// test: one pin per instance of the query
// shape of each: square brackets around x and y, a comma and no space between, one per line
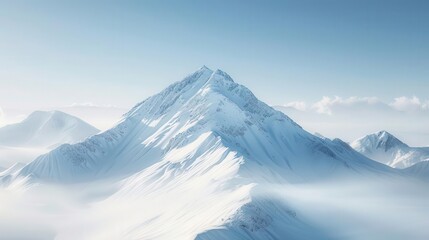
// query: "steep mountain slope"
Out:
[387,149]
[201,153]
[46,129]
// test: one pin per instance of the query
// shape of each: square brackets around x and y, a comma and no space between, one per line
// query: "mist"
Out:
[350,209]
[361,209]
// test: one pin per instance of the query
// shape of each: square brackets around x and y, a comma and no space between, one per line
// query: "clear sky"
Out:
[55,53]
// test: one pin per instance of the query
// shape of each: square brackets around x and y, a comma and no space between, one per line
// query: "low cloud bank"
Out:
[333,105]
[349,209]
[392,209]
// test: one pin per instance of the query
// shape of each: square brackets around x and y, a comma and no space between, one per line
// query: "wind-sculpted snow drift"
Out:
[195,159]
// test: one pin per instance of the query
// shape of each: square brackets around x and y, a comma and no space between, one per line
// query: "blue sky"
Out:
[55,53]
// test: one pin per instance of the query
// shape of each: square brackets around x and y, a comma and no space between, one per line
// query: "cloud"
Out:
[336,104]
[405,104]
[298,105]
[327,105]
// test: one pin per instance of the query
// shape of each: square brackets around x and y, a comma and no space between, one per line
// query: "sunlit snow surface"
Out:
[205,159]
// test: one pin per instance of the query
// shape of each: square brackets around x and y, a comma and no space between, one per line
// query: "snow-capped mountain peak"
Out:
[381,140]
[387,140]
[46,129]
[205,68]
[382,146]
[203,92]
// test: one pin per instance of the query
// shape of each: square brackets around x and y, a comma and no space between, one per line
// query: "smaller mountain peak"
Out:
[47,114]
[38,112]
[384,136]
[384,133]
[379,140]
[204,68]
[38,116]
[59,113]
[388,140]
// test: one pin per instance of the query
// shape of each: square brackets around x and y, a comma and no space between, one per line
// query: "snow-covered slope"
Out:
[387,149]
[202,151]
[46,129]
